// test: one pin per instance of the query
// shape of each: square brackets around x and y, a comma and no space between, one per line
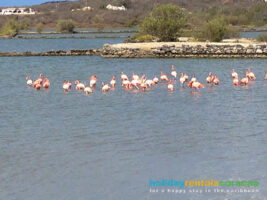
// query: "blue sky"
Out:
[5,3]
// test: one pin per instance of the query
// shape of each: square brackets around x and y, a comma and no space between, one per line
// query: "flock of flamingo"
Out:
[142,82]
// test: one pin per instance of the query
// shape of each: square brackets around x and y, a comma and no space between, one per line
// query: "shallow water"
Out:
[57,145]
[40,45]
[253,35]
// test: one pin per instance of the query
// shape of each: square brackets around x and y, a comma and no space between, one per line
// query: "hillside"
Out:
[239,12]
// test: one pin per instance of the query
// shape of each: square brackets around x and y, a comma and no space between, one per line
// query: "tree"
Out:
[262,37]
[39,28]
[12,27]
[165,22]
[65,26]
[217,29]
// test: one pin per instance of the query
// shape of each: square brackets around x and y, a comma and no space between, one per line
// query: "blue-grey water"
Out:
[65,146]
[253,35]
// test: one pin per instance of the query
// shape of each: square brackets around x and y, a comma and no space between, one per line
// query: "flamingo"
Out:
[244,81]
[143,85]
[163,77]
[66,86]
[79,86]
[234,74]
[170,86]
[135,83]
[93,80]
[265,77]
[28,81]
[123,76]
[37,82]
[182,79]
[216,80]
[235,81]
[46,83]
[195,84]
[40,78]
[194,79]
[185,77]
[38,86]
[87,90]
[173,72]
[251,76]
[210,78]
[135,76]
[156,80]
[113,82]
[105,87]
[149,82]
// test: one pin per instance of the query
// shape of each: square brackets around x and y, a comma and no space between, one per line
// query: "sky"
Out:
[5,3]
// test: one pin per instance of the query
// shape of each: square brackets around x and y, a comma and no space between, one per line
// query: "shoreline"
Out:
[161,50]
[185,50]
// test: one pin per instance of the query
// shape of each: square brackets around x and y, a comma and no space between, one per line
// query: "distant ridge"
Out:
[64,1]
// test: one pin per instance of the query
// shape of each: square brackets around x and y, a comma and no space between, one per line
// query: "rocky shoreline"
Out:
[162,50]
[89,52]
[185,50]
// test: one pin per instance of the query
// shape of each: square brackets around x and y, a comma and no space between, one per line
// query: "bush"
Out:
[12,28]
[142,38]
[262,37]
[217,29]
[165,22]
[65,26]
[39,28]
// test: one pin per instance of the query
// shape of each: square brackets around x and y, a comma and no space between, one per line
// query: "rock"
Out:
[259,51]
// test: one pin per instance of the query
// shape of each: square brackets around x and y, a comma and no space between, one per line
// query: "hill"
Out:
[238,12]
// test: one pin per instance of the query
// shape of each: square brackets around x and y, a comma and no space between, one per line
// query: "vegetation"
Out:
[39,28]
[165,22]
[262,37]
[240,13]
[65,26]
[11,28]
[168,22]
[217,29]
[143,38]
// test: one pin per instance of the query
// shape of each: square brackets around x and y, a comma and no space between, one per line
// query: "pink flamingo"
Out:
[173,72]
[163,77]
[123,76]
[235,81]
[66,86]
[28,81]
[251,75]
[105,87]
[156,80]
[210,78]
[170,86]
[234,74]
[93,80]
[113,82]
[195,84]
[182,79]
[216,80]
[46,83]
[88,90]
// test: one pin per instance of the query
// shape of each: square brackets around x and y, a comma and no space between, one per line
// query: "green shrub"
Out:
[217,29]
[142,38]
[39,28]
[11,28]
[65,26]
[262,37]
[165,22]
